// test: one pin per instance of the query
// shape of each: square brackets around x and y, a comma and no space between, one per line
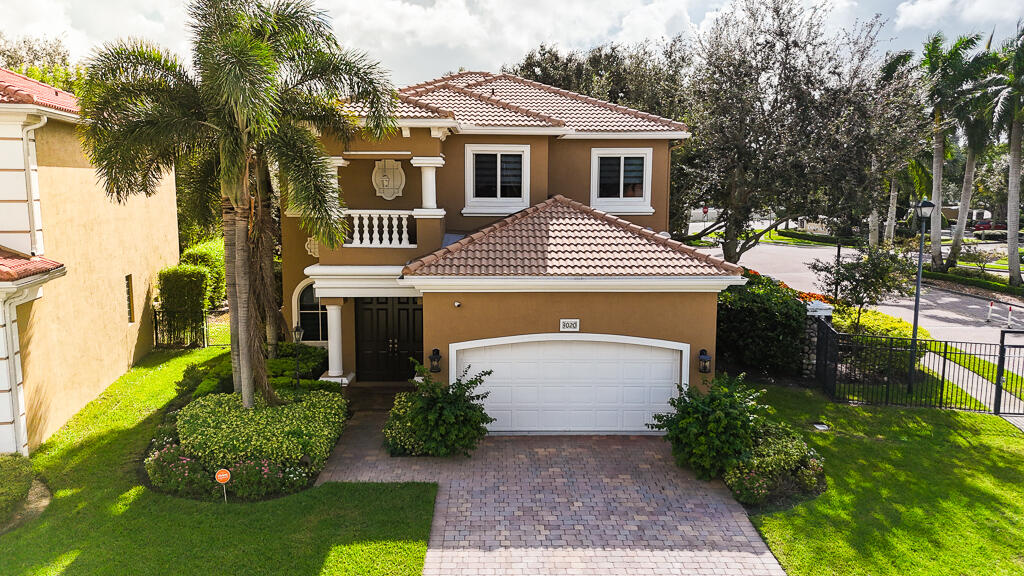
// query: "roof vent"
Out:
[492,92]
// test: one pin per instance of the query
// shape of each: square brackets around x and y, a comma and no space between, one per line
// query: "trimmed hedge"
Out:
[869,358]
[209,255]
[312,363]
[823,238]
[976,282]
[761,324]
[218,432]
[183,288]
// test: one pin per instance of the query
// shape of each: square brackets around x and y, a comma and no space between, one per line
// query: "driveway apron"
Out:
[567,505]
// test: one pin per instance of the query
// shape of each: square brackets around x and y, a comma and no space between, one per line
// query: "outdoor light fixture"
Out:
[703,361]
[923,210]
[435,360]
[297,334]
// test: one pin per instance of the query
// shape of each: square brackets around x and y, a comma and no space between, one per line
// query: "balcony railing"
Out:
[381,229]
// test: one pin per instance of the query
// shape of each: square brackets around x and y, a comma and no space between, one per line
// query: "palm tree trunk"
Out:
[228,229]
[965,205]
[242,287]
[890,217]
[266,254]
[938,156]
[873,228]
[1013,205]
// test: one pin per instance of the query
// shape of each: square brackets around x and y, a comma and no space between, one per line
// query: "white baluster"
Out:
[403,238]
[392,230]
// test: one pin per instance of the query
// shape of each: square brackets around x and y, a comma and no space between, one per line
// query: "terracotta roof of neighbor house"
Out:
[485,99]
[18,89]
[562,237]
[17,266]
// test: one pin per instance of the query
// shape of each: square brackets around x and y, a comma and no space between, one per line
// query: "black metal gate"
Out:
[977,376]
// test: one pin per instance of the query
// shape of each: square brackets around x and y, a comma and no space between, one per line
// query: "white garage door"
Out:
[574,386]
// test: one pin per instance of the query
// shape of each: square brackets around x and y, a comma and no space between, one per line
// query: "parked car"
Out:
[984,225]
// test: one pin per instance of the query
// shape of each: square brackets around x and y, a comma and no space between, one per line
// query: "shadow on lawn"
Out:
[103,521]
[910,491]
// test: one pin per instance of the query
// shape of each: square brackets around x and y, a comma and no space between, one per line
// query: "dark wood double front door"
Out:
[389,331]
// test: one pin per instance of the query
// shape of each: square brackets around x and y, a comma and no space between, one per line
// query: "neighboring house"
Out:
[515,227]
[77,270]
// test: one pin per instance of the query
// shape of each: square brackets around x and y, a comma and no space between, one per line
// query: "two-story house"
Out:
[77,271]
[514,227]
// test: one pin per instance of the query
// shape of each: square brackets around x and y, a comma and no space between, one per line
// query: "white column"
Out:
[334,368]
[427,166]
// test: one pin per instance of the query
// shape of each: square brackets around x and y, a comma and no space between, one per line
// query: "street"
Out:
[946,315]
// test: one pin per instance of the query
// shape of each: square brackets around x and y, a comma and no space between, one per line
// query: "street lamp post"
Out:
[923,211]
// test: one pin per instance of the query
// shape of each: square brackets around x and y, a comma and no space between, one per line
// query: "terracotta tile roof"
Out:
[18,89]
[404,108]
[458,96]
[17,266]
[478,109]
[579,112]
[562,237]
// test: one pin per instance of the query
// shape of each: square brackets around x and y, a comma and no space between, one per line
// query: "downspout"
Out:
[29,187]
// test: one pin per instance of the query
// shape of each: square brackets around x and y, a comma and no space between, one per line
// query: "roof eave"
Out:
[467,128]
[694,283]
[39,110]
[630,135]
[10,286]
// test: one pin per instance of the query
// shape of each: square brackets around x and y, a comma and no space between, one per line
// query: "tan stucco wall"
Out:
[680,317]
[570,174]
[76,339]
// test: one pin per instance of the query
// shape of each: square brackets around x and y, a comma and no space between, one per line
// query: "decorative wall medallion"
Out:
[388,179]
[312,247]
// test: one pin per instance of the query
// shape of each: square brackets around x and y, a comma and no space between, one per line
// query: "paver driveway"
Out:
[564,505]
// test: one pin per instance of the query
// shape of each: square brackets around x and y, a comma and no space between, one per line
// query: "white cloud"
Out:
[934,14]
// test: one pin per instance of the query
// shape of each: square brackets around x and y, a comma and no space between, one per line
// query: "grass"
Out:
[928,390]
[1012,382]
[15,480]
[773,237]
[911,492]
[102,520]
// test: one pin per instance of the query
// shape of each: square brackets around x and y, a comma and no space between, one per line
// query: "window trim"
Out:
[296,310]
[633,206]
[495,206]
[130,297]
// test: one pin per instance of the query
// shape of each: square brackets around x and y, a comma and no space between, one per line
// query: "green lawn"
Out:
[15,480]
[104,521]
[911,492]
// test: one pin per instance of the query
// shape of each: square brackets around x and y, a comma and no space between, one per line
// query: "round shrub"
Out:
[171,469]
[183,288]
[779,466]
[219,432]
[711,432]
[209,255]
[437,419]
[761,324]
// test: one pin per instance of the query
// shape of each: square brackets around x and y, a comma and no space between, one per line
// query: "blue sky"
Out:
[421,39]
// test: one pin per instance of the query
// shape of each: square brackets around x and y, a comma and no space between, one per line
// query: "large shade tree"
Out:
[265,78]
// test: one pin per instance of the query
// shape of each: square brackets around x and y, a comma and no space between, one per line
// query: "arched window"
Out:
[312,316]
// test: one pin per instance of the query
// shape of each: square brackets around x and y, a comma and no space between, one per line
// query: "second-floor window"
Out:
[620,180]
[497,179]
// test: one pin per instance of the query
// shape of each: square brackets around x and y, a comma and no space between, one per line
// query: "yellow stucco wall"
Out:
[76,339]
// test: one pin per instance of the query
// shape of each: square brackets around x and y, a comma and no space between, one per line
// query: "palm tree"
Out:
[1006,87]
[265,76]
[950,73]
[975,120]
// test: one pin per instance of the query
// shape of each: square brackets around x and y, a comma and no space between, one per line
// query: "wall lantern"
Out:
[703,361]
[435,360]
[297,333]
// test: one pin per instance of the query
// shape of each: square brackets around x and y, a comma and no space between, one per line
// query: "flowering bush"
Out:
[172,469]
[813,297]
[748,486]
[253,479]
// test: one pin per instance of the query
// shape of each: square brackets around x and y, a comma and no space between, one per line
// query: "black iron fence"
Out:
[974,376]
[175,329]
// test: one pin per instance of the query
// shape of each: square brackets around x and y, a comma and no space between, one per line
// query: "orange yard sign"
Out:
[223,475]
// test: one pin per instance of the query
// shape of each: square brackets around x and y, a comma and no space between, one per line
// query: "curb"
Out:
[967,294]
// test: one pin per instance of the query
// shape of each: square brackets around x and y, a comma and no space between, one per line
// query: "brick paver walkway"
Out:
[566,505]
